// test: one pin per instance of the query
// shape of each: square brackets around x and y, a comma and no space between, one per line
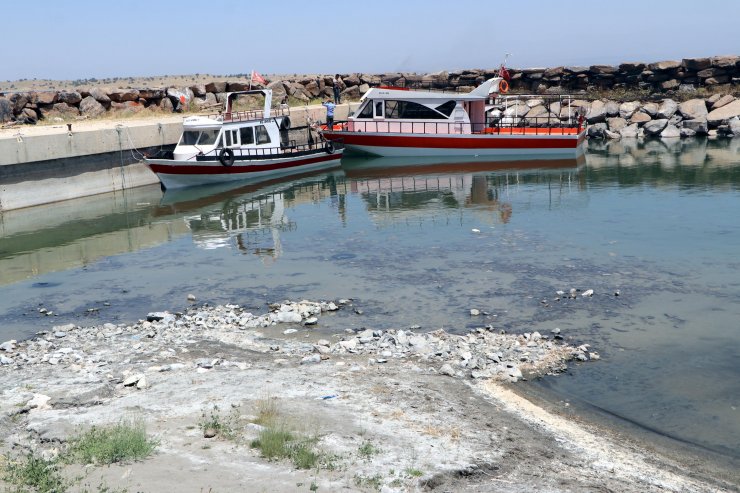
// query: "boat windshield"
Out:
[199,137]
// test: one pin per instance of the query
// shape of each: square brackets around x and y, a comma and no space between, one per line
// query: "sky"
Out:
[80,39]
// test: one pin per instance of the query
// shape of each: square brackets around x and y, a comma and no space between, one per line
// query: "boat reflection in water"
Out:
[421,184]
[251,218]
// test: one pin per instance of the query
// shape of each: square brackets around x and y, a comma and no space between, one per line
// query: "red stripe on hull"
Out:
[239,169]
[484,142]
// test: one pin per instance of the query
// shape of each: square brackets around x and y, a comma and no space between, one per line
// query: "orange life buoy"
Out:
[503,86]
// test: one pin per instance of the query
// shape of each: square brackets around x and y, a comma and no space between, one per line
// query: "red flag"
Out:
[258,78]
[504,73]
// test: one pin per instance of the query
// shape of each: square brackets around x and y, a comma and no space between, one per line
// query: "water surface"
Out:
[421,243]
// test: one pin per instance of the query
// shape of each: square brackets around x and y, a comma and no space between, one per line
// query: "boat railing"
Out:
[512,125]
[292,149]
[248,115]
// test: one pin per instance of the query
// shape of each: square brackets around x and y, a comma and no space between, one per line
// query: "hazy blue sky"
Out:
[78,39]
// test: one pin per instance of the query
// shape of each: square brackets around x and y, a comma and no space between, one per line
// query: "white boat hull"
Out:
[178,174]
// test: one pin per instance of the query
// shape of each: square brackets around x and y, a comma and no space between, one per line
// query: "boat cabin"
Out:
[396,109]
[249,132]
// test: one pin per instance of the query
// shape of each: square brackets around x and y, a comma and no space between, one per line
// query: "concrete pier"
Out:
[49,163]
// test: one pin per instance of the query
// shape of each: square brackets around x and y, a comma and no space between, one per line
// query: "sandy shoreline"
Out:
[406,396]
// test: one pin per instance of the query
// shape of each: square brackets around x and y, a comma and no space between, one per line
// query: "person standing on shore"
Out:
[329,113]
[337,89]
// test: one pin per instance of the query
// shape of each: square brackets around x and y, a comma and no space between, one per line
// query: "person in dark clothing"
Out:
[337,89]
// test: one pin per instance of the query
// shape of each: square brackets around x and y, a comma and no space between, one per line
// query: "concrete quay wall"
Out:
[46,164]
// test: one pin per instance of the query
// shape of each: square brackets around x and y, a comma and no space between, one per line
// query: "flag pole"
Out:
[250,80]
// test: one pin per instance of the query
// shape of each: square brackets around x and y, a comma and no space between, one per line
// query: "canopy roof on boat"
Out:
[400,94]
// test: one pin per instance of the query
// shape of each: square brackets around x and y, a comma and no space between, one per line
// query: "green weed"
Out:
[36,473]
[106,445]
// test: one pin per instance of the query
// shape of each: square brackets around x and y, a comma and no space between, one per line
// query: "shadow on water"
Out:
[423,241]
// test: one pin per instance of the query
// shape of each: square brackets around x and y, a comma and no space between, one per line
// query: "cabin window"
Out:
[367,111]
[189,138]
[446,108]
[379,109]
[228,138]
[391,109]
[208,137]
[262,136]
[410,110]
[247,135]
[199,137]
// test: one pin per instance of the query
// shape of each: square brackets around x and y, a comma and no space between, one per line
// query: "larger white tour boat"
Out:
[242,145]
[395,121]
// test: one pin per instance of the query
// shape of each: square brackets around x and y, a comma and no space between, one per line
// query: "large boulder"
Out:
[299,92]
[29,116]
[663,66]
[518,109]
[603,69]
[697,63]
[539,115]
[670,132]
[597,131]
[640,117]
[597,112]
[734,125]
[611,108]
[616,124]
[71,97]
[279,90]
[655,127]
[237,86]
[697,126]
[630,131]
[19,100]
[628,108]
[6,110]
[370,79]
[722,101]
[354,79]
[670,85]
[61,110]
[100,96]
[693,108]
[199,90]
[151,94]
[127,107]
[651,109]
[631,67]
[47,97]
[667,108]
[724,113]
[123,95]
[351,93]
[216,86]
[725,62]
[91,108]
[313,88]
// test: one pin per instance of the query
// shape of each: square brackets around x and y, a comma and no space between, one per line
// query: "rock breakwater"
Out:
[665,79]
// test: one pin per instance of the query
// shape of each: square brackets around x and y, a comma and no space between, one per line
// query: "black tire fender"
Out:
[329,147]
[226,156]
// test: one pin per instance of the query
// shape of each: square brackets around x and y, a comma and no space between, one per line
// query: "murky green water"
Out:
[423,243]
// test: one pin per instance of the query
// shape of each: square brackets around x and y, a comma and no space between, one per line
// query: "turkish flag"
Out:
[258,78]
